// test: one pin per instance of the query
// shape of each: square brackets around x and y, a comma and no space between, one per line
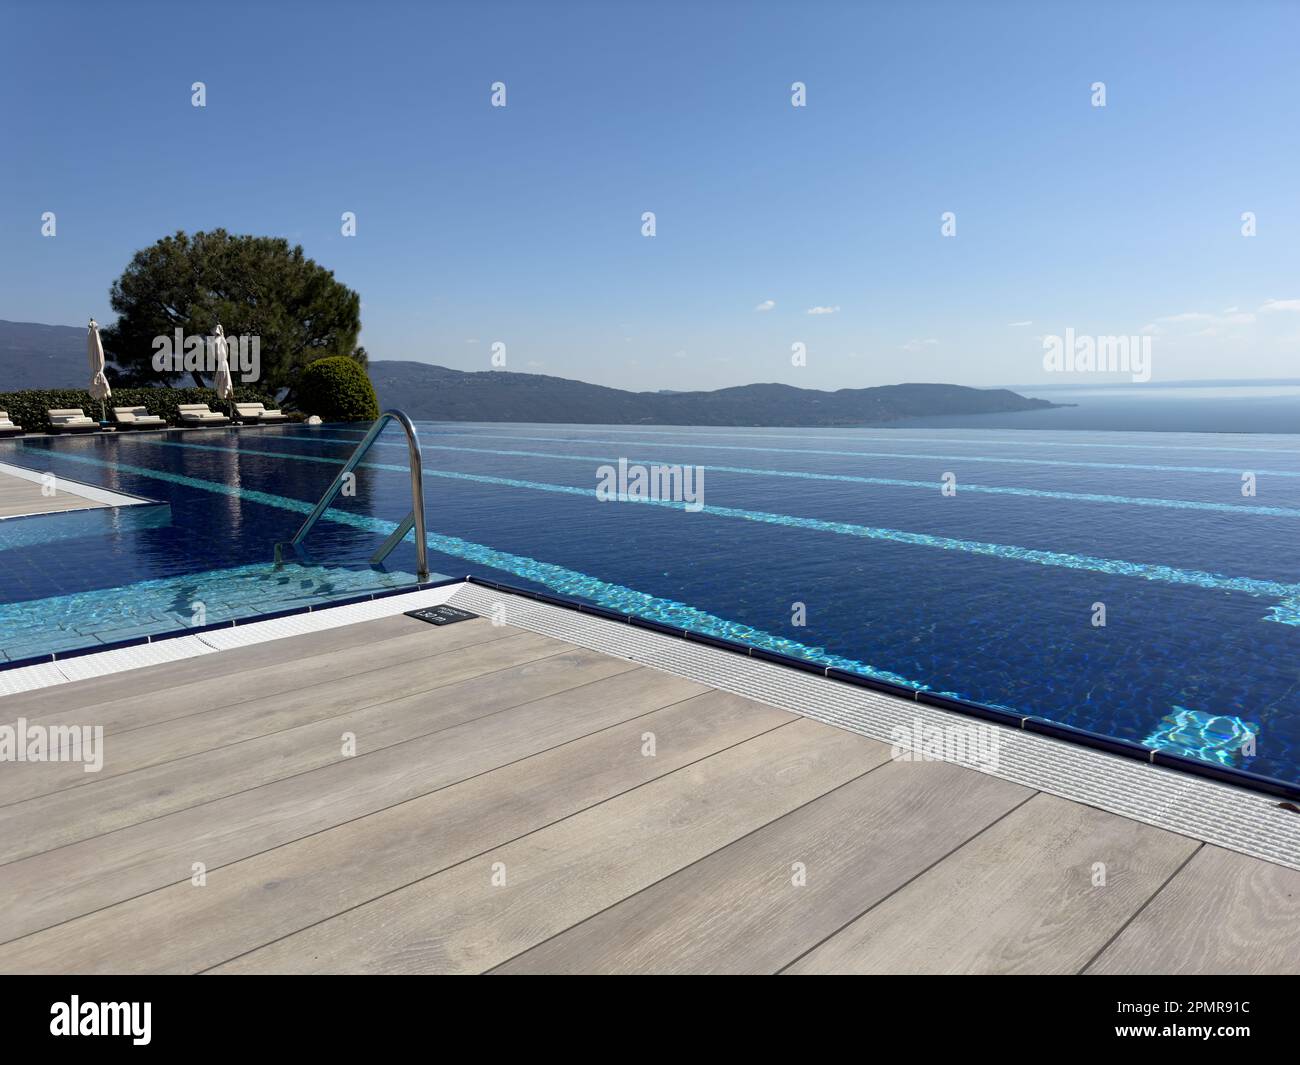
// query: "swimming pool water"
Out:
[833,545]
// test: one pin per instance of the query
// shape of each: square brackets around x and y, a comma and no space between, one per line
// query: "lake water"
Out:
[1227,408]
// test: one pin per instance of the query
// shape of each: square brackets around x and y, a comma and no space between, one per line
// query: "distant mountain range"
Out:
[436,393]
[54,356]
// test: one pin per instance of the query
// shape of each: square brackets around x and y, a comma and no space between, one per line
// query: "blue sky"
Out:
[523,224]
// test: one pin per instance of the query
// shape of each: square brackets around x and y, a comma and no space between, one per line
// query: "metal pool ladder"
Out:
[415,518]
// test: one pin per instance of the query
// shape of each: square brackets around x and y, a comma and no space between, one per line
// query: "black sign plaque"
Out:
[441,615]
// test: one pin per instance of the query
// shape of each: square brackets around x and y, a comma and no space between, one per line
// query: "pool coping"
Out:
[994,715]
[66,667]
[1165,793]
[169,635]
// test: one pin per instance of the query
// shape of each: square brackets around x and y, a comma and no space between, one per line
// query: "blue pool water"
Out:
[989,594]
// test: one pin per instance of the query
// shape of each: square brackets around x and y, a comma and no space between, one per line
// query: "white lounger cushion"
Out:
[69,417]
[259,411]
[137,415]
[199,412]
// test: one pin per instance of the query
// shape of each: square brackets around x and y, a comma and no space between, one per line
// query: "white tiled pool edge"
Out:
[171,649]
[79,488]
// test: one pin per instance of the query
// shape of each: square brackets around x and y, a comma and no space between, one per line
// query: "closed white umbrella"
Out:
[98,382]
[223,382]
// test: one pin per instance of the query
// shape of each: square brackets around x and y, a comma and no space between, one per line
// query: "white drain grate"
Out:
[1216,813]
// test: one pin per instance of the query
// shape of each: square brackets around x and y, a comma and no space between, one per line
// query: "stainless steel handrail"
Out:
[414,518]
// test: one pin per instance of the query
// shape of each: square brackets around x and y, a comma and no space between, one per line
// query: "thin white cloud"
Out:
[1281,305]
[1017,325]
[1201,318]
[766,305]
[824,310]
[919,345]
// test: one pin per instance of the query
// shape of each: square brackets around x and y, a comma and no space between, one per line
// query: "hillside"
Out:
[436,393]
[54,356]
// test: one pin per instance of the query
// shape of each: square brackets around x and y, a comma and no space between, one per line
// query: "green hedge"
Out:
[338,389]
[28,408]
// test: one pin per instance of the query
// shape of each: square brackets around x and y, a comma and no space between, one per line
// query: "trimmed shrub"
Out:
[28,408]
[337,389]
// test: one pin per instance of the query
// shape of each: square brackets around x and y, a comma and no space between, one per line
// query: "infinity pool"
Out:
[839,546]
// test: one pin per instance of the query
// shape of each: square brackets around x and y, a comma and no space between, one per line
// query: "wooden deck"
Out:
[19,497]
[517,804]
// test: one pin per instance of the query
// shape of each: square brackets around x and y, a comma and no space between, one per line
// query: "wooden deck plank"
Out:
[1224,913]
[458,921]
[58,885]
[284,890]
[266,667]
[740,909]
[357,687]
[481,686]
[1018,898]
[20,496]
[20,508]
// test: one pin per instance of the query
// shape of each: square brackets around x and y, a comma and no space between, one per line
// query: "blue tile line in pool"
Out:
[1286,611]
[1156,468]
[566,581]
[1248,510]
[439,429]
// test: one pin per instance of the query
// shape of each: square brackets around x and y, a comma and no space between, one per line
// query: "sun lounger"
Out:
[138,418]
[200,414]
[257,412]
[7,428]
[71,420]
